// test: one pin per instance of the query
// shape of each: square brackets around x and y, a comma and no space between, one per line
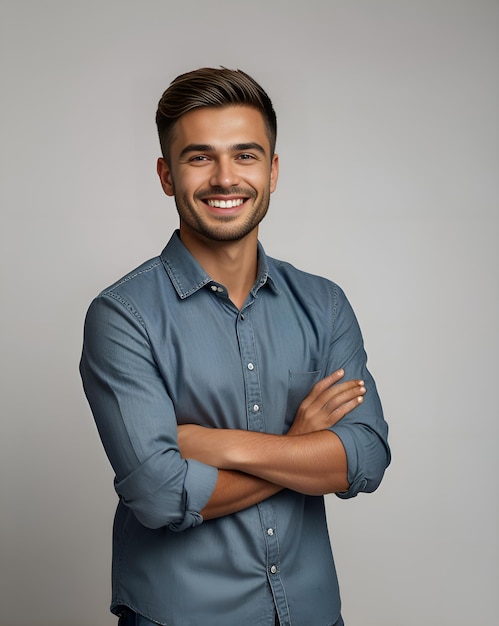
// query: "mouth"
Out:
[225,204]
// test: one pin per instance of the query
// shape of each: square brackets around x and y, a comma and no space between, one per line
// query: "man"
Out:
[230,390]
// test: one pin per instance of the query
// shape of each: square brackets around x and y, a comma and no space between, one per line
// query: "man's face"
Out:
[221,172]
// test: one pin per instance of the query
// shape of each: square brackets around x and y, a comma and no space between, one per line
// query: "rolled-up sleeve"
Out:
[363,432]
[136,420]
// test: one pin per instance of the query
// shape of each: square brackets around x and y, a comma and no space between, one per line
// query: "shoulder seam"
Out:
[130,308]
[128,277]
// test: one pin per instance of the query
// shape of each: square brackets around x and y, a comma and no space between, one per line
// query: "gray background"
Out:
[388,140]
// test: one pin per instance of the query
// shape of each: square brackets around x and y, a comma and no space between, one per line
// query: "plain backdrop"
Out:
[389,148]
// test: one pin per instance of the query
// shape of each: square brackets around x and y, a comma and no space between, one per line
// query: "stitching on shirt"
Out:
[175,277]
[271,278]
[130,276]
[129,307]
[279,560]
[334,312]
[112,294]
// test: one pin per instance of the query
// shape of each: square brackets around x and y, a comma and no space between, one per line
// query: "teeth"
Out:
[225,204]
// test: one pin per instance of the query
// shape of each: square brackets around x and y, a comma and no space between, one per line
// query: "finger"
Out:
[326,383]
[336,415]
[348,393]
[337,391]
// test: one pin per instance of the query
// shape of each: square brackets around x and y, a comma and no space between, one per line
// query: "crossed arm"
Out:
[254,466]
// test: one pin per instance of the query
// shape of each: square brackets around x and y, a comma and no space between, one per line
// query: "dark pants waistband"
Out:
[129,618]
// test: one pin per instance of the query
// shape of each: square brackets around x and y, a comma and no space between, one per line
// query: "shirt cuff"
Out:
[200,481]
[356,479]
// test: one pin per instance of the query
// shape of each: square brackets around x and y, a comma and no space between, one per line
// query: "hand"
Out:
[327,403]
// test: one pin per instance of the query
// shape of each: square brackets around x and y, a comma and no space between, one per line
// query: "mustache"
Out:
[223,191]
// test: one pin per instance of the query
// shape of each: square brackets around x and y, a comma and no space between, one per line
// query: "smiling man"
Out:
[230,390]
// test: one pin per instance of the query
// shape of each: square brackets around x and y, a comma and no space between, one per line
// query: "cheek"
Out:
[191,182]
[259,180]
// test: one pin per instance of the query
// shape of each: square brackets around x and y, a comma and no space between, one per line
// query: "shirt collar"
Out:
[188,276]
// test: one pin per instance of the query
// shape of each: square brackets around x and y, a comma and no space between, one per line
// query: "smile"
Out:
[225,204]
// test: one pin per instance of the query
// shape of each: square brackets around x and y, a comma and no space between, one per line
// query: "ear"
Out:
[274,172]
[165,176]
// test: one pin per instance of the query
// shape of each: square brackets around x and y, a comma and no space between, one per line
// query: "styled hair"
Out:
[211,87]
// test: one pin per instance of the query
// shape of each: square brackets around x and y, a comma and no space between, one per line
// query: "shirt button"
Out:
[256,408]
[273,569]
[220,289]
[251,367]
[270,532]
[214,287]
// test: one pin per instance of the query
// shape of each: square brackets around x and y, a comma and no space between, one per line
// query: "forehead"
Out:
[220,127]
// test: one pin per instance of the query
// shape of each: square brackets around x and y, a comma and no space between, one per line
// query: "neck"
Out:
[233,264]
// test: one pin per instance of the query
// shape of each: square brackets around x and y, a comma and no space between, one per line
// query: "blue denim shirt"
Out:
[165,346]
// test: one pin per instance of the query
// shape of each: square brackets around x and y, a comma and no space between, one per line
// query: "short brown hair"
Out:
[211,87]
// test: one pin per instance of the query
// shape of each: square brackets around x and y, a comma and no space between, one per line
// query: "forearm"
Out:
[313,463]
[235,491]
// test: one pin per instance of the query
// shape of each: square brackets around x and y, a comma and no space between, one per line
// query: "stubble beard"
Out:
[223,227]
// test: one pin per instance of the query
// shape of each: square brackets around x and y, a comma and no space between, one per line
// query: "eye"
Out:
[245,156]
[198,159]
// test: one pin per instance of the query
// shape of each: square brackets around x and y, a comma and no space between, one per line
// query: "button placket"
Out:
[273,558]
[254,412]
[249,361]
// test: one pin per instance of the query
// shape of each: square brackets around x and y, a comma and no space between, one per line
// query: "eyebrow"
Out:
[237,147]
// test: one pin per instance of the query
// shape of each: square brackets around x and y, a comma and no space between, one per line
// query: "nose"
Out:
[224,173]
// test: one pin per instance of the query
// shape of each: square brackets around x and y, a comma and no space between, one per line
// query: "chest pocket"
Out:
[299,386]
